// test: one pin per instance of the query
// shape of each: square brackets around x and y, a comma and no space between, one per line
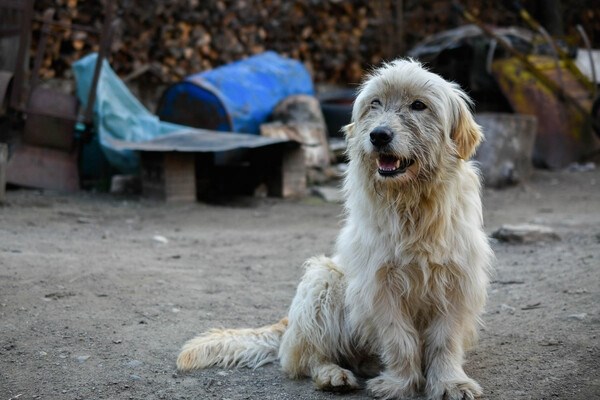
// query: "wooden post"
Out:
[289,180]
[169,176]
[3,163]
[293,173]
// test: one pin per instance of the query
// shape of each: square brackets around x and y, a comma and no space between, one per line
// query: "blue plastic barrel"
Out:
[236,97]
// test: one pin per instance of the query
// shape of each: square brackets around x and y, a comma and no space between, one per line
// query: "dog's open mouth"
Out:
[389,165]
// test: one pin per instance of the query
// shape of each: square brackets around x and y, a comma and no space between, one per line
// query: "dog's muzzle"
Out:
[387,163]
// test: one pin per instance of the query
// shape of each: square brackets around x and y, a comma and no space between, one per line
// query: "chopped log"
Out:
[300,109]
[300,118]
[336,40]
[309,135]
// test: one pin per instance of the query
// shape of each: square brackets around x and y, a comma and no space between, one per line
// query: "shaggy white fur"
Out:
[401,298]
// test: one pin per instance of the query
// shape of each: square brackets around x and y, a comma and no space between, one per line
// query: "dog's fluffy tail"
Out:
[232,347]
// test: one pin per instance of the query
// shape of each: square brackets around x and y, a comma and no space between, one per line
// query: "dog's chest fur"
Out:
[410,261]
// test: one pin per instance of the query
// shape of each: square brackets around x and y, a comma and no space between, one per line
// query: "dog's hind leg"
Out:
[316,337]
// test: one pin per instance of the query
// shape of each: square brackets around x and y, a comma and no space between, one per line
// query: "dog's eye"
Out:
[418,105]
[375,103]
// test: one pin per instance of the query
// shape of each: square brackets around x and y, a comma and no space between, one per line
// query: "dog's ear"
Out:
[466,133]
[348,130]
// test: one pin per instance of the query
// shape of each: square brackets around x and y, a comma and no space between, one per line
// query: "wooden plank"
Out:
[3,163]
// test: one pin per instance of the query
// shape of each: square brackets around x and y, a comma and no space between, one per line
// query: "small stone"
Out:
[577,167]
[507,308]
[576,291]
[578,317]
[134,377]
[222,373]
[525,233]
[551,342]
[160,239]
[134,363]
[329,194]
[82,359]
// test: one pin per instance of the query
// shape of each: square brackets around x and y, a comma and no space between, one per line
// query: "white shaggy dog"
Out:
[401,298]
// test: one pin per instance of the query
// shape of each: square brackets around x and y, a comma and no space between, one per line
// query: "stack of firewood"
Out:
[337,40]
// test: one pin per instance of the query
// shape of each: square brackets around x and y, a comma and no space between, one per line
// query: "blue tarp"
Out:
[236,97]
[117,114]
[246,91]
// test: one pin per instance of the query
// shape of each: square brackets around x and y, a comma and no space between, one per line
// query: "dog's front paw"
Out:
[455,390]
[335,379]
[387,386]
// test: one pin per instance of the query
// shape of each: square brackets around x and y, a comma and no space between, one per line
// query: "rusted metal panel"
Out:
[51,119]
[43,168]
[564,133]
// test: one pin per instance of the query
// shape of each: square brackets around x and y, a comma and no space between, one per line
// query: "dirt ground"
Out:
[98,293]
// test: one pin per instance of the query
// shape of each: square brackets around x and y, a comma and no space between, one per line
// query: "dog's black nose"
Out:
[381,136]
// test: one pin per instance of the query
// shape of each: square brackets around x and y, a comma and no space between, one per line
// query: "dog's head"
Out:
[408,124]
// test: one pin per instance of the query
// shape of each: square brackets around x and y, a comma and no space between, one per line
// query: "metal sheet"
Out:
[43,168]
[201,141]
[563,135]
[51,117]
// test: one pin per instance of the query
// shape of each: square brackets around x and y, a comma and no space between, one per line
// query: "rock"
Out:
[578,317]
[505,157]
[329,194]
[160,239]
[82,359]
[134,363]
[125,184]
[551,342]
[507,308]
[525,233]
[577,167]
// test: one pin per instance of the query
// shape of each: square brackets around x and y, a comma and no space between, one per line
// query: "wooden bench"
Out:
[176,167]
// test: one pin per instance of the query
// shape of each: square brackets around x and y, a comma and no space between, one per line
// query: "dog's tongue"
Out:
[388,163]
